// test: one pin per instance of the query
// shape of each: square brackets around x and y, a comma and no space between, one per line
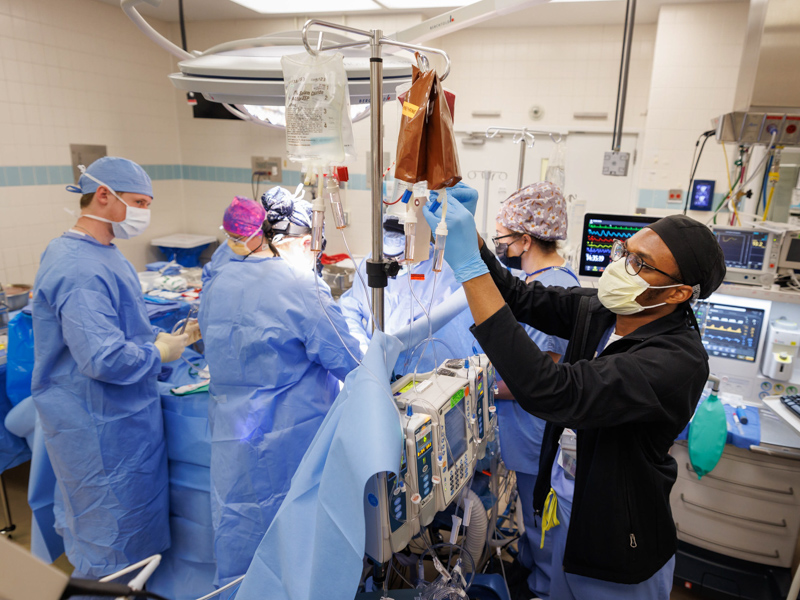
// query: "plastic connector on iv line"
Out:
[334,197]
[410,230]
[438,247]
[441,236]
[317,222]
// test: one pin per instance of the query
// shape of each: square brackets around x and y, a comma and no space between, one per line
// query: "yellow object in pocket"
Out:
[549,514]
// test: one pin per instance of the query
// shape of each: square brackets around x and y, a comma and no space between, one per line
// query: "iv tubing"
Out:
[430,332]
[360,364]
[769,203]
[223,588]
[360,278]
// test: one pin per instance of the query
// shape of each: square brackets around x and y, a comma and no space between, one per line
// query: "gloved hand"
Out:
[466,195]
[461,246]
[193,331]
[171,345]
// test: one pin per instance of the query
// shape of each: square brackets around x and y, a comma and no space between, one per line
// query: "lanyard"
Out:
[564,269]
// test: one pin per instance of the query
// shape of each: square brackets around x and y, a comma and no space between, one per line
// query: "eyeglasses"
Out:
[241,240]
[633,263]
[496,239]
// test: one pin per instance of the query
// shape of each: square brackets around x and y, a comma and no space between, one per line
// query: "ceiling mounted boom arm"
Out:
[129,8]
[461,18]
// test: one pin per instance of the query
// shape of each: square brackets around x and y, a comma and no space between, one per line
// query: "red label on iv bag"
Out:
[417,276]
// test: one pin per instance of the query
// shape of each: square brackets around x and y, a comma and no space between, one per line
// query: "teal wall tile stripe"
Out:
[62,175]
[659,199]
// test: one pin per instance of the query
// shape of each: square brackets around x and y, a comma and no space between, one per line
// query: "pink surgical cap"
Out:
[243,217]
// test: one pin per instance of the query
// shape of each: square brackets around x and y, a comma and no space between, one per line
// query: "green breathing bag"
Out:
[707,435]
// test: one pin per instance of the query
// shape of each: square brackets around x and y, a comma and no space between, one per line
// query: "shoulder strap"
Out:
[580,332]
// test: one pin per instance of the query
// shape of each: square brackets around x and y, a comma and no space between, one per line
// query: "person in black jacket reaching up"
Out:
[637,368]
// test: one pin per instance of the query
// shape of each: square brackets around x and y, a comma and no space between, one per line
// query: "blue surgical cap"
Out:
[283,208]
[120,174]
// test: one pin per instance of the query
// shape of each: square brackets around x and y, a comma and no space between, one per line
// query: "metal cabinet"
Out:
[748,507]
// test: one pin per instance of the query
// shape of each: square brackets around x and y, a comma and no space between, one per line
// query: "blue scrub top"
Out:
[400,309]
[521,432]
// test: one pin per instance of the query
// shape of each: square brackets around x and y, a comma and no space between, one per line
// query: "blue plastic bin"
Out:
[185,248]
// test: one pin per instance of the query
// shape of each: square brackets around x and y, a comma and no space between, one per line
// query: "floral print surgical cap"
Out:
[538,209]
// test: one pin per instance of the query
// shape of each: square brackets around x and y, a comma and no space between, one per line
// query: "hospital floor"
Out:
[17,489]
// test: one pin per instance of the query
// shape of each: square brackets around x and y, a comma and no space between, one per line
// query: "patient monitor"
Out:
[448,418]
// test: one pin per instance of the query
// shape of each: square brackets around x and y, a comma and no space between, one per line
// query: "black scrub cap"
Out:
[392,223]
[696,251]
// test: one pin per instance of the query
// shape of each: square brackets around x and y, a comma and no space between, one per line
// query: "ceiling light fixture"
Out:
[307,7]
[423,4]
[275,116]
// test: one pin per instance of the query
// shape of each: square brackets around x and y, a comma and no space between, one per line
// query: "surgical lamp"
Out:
[246,76]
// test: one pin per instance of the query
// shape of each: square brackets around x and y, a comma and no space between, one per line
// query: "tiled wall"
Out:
[76,71]
[695,69]
[563,70]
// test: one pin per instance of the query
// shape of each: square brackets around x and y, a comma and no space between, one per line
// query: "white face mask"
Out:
[136,219]
[294,251]
[618,289]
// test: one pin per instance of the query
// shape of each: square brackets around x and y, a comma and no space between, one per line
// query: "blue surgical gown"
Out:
[400,308]
[94,386]
[222,256]
[275,362]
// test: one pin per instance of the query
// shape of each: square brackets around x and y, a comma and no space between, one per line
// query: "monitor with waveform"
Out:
[730,331]
[599,233]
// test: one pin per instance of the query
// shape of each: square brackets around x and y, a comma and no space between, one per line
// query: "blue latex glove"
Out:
[466,195]
[461,248]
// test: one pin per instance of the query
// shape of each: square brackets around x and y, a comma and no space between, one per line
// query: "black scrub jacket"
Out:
[627,405]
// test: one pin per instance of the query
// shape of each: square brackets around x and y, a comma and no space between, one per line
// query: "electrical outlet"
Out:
[675,197]
[269,169]
[616,163]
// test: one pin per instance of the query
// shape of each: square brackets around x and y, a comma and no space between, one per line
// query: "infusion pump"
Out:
[448,418]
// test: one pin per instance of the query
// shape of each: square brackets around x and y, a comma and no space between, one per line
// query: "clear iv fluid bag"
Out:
[316,92]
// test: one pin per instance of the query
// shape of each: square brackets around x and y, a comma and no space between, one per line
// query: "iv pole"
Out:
[377,267]
[377,277]
[525,138]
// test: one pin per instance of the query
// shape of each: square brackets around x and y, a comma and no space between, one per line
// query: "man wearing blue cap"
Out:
[94,379]
[404,304]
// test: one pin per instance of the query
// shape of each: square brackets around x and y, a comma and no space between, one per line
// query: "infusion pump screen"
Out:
[743,249]
[455,425]
[729,331]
